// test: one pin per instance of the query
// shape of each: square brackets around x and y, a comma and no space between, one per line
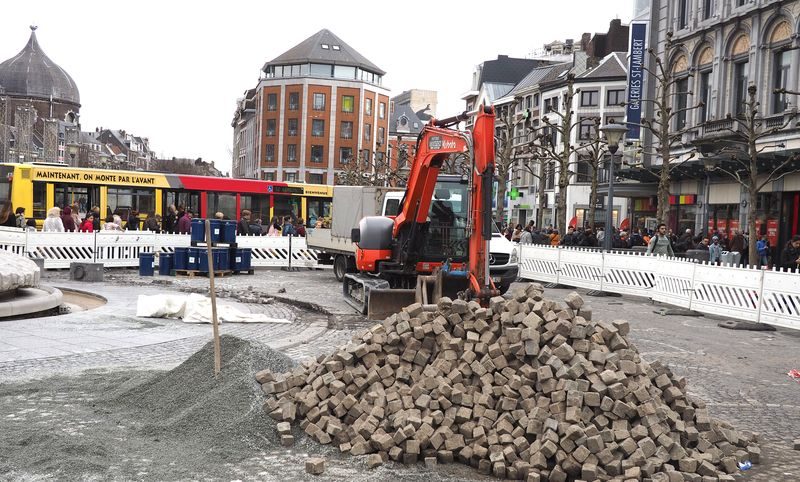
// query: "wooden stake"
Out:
[214,321]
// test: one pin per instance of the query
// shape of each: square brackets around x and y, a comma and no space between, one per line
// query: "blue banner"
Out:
[636,52]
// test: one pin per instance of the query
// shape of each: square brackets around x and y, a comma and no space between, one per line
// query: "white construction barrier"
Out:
[749,294]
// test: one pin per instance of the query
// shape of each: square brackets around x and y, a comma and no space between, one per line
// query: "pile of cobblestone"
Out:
[526,388]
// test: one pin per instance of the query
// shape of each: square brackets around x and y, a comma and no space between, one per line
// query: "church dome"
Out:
[31,73]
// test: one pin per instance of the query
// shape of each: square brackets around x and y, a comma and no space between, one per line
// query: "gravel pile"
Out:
[526,389]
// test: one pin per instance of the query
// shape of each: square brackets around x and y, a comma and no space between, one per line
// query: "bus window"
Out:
[121,200]
[257,205]
[317,207]
[84,196]
[287,206]
[185,199]
[224,203]
[39,200]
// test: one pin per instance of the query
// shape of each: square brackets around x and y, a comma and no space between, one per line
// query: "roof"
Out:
[31,73]
[310,50]
[405,110]
[535,76]
[507,70]
[612,65]
[495,91]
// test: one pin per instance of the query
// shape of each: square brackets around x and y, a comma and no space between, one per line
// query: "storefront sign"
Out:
[637,51]
[98,177]
[685,199]
[772,232]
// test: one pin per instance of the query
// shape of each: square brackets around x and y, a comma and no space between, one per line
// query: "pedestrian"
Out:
[133,221]
[601,236]
[714,251]
[790,258]
[68,220]
[87,226]
[76,216]
[588,239]
[7,217]
[275,228]
[555,238]
[527,235]
[219,215]
[702,245]
[181,211]
[53,222]
[660,244]
[300,228]
[517,234]
[96,213]
[288,227]
[762,250]
[30,225]
[569,238]
[256,229]
[152,223]
[20,218]
[243,226]
[737,246]
[185,222]
[170,218]
[684,242]
[112,223]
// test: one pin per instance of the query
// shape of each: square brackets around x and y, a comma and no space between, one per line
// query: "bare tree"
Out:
[591,152]
[744,164]
[505,156]
[663,125]
[369,170]
[534,161]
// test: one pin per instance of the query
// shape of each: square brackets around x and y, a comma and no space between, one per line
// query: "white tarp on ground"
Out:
[194,308]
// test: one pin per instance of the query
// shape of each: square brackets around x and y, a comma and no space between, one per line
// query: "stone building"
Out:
[39,107]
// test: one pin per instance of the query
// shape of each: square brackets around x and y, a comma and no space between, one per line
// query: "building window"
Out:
[272,101]
[316,154]
[681,101]
[271,127]
[291,177]
[367,132]
[269,152]
[739,87]
[586,128]
[291,152]
[318,128]
[381,133]
[368,106]
[582,173]
[705,94]
[707,9]
[348,102]
[347,130]
[269,176]
[292,127]
[780,79]
[319,101]
[615,97]
[345,154]
[528,101]
[683,14]
[550,176]
[294,100]
[314,178]
[589,98]
[381,110]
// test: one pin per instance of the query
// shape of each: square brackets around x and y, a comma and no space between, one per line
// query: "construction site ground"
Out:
[106,395]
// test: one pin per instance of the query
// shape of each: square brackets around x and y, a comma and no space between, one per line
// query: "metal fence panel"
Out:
[13,240]
[628,273]
[122,248]
[539,263]
[60,249]
[166,243]
[781,299]
[673,280]
[727,291]
[266,250]
[582,268]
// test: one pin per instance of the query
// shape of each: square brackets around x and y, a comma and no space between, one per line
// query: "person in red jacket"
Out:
[87,226]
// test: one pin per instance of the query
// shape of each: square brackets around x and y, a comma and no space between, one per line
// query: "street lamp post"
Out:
[613,134]
[73,151]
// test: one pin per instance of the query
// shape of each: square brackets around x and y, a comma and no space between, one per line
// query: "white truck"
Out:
[352,203]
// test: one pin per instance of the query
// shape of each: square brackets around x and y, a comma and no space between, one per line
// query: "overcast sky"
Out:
[172,71]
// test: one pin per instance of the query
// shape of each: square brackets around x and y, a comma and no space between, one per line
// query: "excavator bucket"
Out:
[374,297]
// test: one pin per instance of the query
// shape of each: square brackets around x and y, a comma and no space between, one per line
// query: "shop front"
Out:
[683,211]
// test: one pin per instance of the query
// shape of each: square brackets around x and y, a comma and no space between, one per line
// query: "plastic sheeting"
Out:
[194,308]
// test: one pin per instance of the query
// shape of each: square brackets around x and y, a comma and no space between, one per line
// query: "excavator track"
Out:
[374,297]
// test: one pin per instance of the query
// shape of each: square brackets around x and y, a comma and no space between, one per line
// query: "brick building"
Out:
[318,106]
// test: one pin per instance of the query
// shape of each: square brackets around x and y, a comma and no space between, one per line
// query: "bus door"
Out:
[287,205]
[258,205]
[84,196]
[181,198]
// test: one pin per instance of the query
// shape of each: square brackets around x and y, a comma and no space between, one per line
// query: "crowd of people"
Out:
[663,241]
[176,220]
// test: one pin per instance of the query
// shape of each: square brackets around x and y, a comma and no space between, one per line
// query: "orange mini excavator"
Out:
[438,243]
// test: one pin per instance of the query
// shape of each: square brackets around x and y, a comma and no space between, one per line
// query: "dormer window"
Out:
[325,46]
[335,47]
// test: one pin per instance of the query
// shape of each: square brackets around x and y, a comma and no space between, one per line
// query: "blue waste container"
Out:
[198,230]
[241,259]
[181,258]
[147,262]
[221,259]
[193,258]
[228,232]
[217,228]
[165,264]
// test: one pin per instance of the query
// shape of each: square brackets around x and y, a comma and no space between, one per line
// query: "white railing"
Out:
[749,294]
[122,248]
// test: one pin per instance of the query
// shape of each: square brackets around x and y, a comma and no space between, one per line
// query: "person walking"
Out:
[300,228]
[87,226]
[7,217]
[152,223]
[275,227]
[170,218]
[660,244]
[288,227]
[243,226]
[737,246]
[53,222]
[790,258]
[30,225]
[762,250]
[256,229]
[714,251]
[133,221]
[20,218]
[68,220]
[113,223]
[527,236]
[185,222]
[96,213]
